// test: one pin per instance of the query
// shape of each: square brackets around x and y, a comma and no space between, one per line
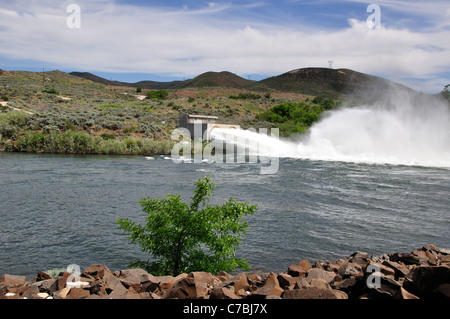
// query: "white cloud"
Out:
[122,38]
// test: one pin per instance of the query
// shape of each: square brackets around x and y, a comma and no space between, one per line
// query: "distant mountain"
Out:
[217,79]
[329,82]
[208,79]
[92,77]
[334,83]
[154,85]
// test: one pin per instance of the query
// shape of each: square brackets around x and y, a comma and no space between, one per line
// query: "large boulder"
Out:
[223,293]
[300,269]
[360,258]
[138,279]
[316,273]
[11,281]
[405,258]
[427,281]
[96,272]
[240,284]
[271,287]
[197,285]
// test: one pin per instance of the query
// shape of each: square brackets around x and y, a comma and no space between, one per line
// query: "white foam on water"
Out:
[403,131]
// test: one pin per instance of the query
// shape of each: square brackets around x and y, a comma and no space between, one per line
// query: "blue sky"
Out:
[175,40]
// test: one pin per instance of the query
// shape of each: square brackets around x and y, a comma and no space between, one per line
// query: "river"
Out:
[58,210]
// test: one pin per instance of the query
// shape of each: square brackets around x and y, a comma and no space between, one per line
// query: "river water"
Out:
[58,210]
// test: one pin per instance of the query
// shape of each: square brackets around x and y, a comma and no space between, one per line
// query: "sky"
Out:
[403,41]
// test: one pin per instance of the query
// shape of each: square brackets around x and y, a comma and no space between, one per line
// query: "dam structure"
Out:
[205,123]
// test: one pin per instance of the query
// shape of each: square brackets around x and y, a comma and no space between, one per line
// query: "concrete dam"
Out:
[203,124]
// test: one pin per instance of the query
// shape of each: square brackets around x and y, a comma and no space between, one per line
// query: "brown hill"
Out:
[334,83]
[217,79]
[329,82]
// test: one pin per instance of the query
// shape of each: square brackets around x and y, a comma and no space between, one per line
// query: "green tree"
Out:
[185,237]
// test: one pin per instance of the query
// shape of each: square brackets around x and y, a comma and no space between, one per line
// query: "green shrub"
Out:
[297,117]
[158,95]
[50,91]
[185,237]
[108,136]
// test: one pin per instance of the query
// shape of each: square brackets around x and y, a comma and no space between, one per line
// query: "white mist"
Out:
[404,129]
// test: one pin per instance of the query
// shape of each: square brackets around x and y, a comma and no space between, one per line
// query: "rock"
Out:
[343,279]
[287,282]
[350,269]
[305,264]
[254,281]
[43,295]
[436,249]
[196,285]
[349,285]
[113,287]
[301,283]
[265,291]
[42,276]
[12,281]
[223,293]
[315,273]
[313,293]
[317,264]
[96,272]
[399,269]
[331,266]
[271,288]
[138,279]
[63,293]
[77,293]
[300,269]
[319,283]
[182,289]
[203,283]
[406,258]
[62,280]
[423,281]
[385,270]
[389,288]
[240,284]
[405,295]
[444,259]
[48,286]
[162,282]
[360,258]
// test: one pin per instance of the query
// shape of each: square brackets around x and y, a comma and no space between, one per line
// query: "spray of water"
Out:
[402,129]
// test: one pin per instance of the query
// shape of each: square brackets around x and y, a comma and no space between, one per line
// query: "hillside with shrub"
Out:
[56,112]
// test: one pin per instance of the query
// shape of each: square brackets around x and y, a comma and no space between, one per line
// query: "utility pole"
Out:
[330,64]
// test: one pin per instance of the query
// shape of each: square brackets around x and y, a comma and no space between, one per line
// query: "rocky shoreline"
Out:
[421,274]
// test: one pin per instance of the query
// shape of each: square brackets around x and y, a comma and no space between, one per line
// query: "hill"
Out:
[208,79]
[333,83]
[217,79]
